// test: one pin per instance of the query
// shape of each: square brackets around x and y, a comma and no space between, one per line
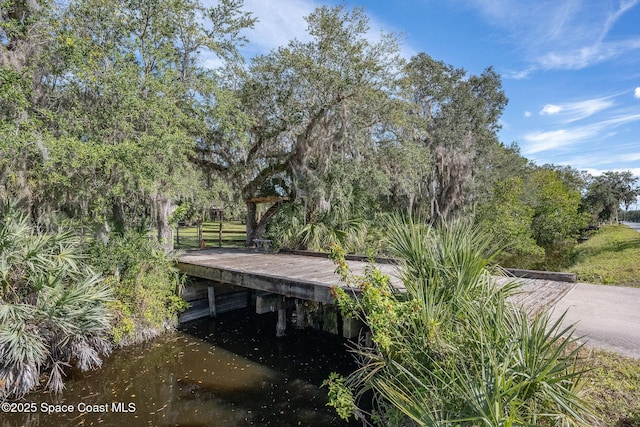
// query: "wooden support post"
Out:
[177,234]
[212,301]
[200,240]
[368,339]
[299,314]
[281,326]
[220,235]
[351,327]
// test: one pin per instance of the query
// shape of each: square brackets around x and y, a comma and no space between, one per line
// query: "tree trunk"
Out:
[164,208]
[117,215]
[252,222]
[410,204]
[255,228]
[102,232]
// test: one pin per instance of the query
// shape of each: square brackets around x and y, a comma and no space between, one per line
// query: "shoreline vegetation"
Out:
[608,383]
[67,300]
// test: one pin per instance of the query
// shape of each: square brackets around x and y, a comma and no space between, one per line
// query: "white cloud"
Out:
[619,120]
[571,34]
[602,156]
[573,111]
[550,109]
[518,75]
[579,57]
[598,172]
[583,109]
[527,113]
[636,93]
[278,23]
[211,60]
[536,142]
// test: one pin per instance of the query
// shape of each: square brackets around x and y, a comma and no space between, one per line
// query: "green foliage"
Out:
[452,350]
[102,105]
[144,282]
[315,106]
[508,220]
[108,117]
[14,92]
[556,207]
[608,191]
[534,213]
[611,256]
[632,216]
[181,213]
[54,308]
[340,396]
[456,118]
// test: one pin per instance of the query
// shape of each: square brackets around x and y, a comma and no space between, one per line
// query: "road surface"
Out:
[608,317]
[634,225]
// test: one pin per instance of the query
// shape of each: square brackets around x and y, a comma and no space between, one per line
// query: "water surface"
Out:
[228,371]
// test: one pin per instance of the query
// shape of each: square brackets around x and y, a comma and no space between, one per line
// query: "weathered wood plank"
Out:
[194,314]
[223,303]
[266,303]
[194,291]
[282,318]
[310,278]
[305,289]
[233,301]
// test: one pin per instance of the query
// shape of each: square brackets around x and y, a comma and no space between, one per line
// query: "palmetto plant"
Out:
[452,350]
[338,225]
[52,311]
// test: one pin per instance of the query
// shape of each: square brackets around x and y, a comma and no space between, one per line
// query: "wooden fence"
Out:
[216,235]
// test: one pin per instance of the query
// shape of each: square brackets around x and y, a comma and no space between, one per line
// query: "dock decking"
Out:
[310,278]
[296,276]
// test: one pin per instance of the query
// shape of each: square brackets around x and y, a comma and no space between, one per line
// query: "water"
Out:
[230,371]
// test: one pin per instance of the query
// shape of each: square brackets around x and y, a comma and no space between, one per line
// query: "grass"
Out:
[233,235]
[612,387]
[611,257]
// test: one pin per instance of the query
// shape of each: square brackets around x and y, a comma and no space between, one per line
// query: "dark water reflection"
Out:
[230,371]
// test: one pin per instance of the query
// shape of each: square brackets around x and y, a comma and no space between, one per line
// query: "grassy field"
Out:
[233,235]
[612,388]
[611,257]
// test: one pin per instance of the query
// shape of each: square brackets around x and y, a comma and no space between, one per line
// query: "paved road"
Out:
[634,225]
[607,316]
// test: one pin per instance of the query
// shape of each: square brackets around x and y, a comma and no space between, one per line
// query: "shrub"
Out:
[53,311]
[452,350]
[145,283]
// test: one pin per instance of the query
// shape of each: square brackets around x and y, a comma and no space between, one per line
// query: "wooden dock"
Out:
[309,278]
[294,276]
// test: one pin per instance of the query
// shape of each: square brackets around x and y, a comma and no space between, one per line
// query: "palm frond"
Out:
[463,355]
[51,302]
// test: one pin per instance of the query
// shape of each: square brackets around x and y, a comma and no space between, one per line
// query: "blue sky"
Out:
[570,68]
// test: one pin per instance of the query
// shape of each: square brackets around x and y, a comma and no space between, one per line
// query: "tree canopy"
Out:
[111,116]
[605,194]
